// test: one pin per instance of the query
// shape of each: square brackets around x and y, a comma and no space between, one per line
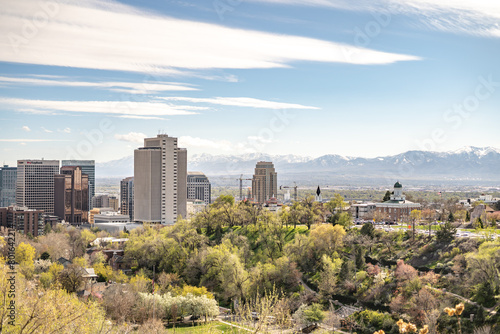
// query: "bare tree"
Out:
[266,312]
[332,319]
[119,301]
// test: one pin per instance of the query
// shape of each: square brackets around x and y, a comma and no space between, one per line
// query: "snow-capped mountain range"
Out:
[468,163]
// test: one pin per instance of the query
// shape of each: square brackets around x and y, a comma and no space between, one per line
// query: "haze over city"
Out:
[308,78]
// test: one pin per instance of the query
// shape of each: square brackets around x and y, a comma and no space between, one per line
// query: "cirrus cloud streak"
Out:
[472,17]
[145,87]
[240,102]
[101,107]
[112,36]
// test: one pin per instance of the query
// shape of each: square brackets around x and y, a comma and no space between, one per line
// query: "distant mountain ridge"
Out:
[468,163]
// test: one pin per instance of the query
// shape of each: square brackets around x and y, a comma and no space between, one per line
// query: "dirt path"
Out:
[491,310]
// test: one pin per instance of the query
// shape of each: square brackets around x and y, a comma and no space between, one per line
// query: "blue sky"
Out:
[89,79]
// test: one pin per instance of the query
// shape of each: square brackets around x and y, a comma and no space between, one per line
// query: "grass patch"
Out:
[290,235]
[210,328]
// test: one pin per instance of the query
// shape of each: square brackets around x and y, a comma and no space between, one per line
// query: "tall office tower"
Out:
[264,182]
[8,179]
[198,187]
[88,167]
[127,197]
[71,195]
[35,184]
[160,187]
[182,182]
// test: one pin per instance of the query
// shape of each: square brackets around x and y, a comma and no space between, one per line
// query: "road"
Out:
[461,232]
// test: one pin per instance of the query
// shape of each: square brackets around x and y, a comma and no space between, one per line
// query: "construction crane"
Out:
[294,189]
[241,185]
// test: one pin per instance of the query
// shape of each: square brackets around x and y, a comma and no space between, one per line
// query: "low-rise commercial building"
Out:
[363,210]
[23,220]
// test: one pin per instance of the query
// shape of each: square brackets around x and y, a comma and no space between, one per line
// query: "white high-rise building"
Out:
[160,185]
[35,184]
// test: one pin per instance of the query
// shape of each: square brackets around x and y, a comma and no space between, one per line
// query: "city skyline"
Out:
[279,77]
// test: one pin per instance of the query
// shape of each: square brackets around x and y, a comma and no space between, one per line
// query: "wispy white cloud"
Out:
[46,130]
[112,36]
[117,86]
[29,140]
[241,102]
[128,108]
[133,137]
[26,128]
[253,144]
[65,130]
[478,17]
[260,140]
[142,117]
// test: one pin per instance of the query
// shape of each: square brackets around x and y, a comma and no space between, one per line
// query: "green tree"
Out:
[446,232]
[295,214]
[479,223]
[307,315]
[47,229]
[310,212]
[224,272]
[415,216]
[271,235]
[368,229]
[326,239]
[359,253]
[483,269]
[71,278]
[336,204]
[45,256]
[281,275]
[451,218]
[328,275]
[224,200]
[387,196]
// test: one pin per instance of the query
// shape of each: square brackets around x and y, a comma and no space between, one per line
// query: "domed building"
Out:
[397,208]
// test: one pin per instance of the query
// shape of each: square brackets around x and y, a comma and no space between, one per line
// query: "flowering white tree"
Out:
[171,307]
